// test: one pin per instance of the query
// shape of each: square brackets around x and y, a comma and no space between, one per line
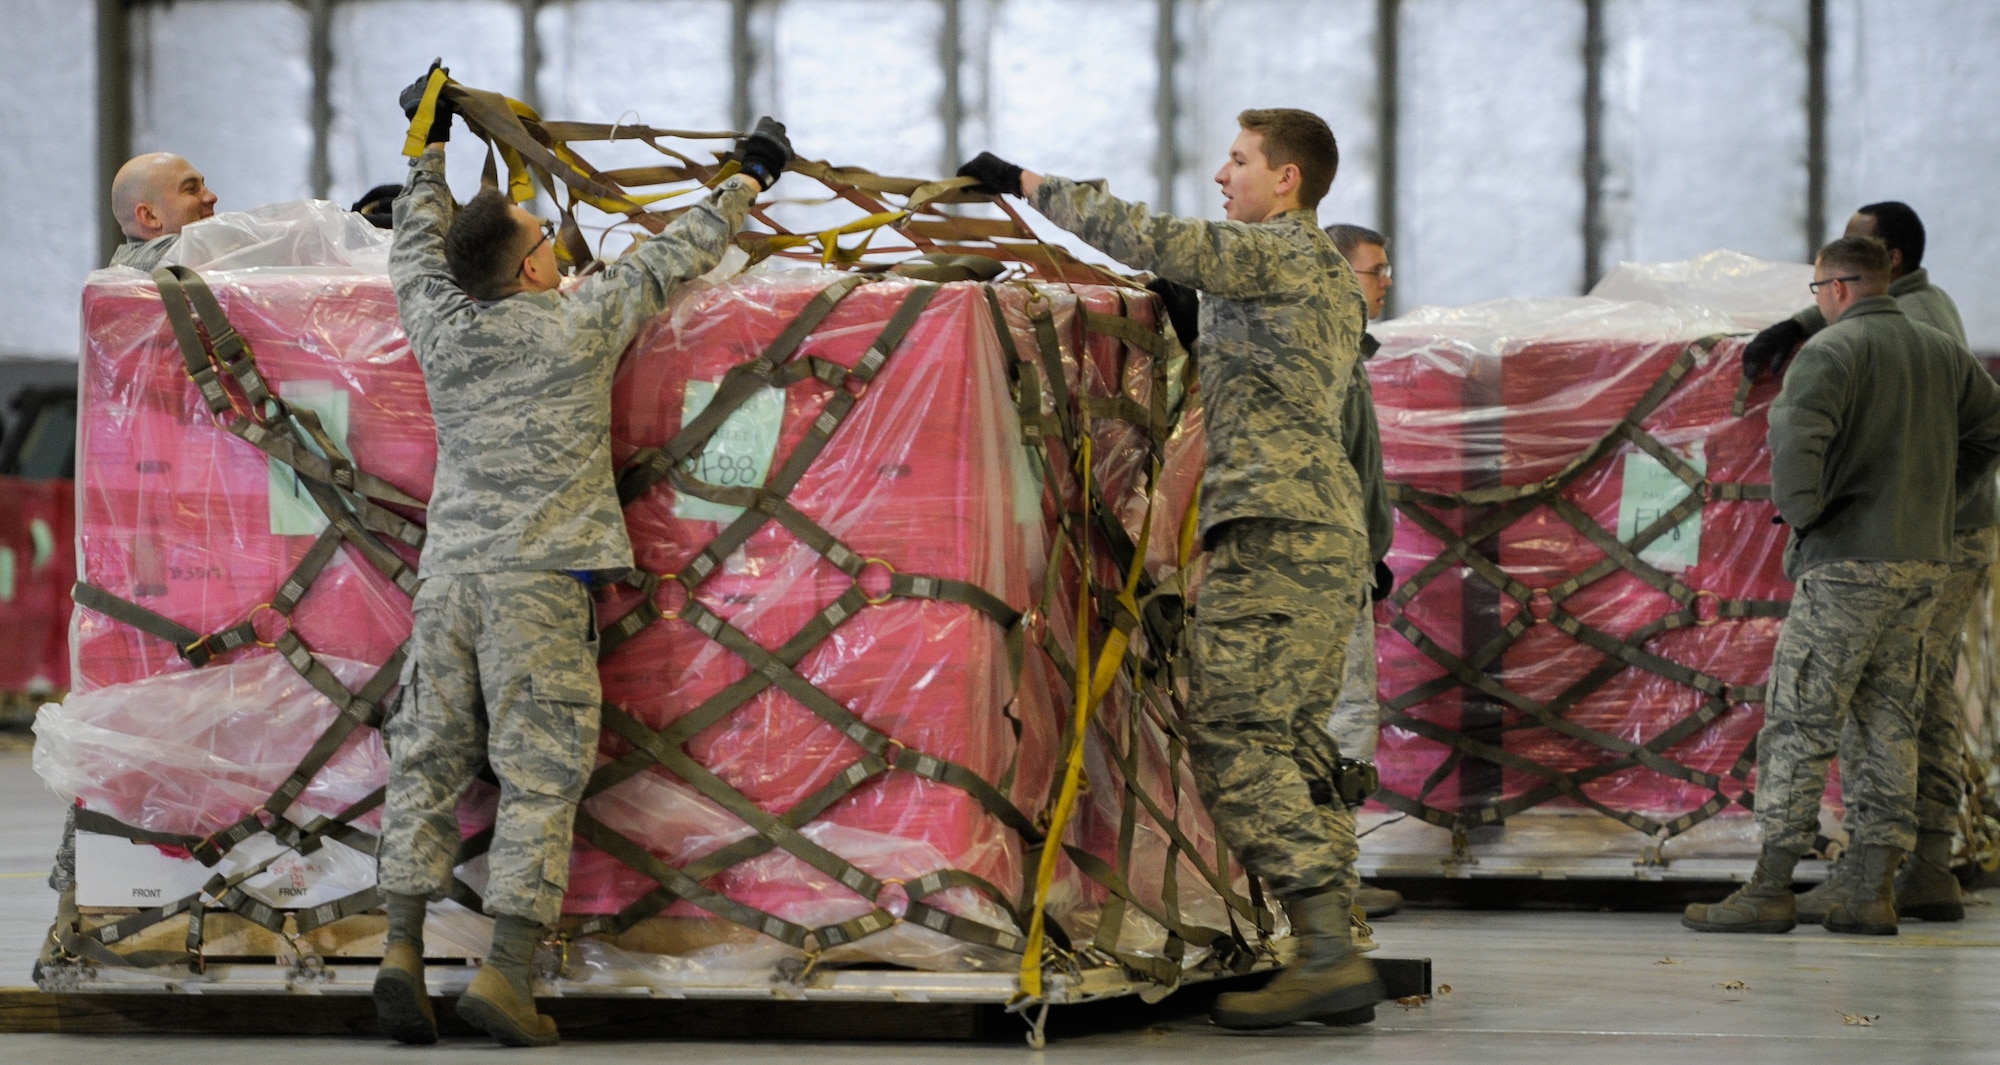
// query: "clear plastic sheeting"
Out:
[1490,196]
[1910,86]
[1704,132]
[1575,626]
[379,46]
[1328,65]
[228,86]
[191,753]
[1753,292]
[294,234]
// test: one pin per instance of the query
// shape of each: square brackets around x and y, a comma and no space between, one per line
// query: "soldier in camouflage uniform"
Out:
[1881,426]
[524,509]
[1926,888]
[1281,515]
[153,196]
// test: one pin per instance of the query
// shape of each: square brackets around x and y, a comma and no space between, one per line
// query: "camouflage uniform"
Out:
[1846,670]
[144,254]
[1941,733]
[504,663]
[1281,322]
[1356,719]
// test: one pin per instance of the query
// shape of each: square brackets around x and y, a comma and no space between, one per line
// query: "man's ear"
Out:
[1895,261]
[146,216]
[1288,179]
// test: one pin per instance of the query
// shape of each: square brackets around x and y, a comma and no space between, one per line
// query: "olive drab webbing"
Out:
[1122,666]
[1488,511]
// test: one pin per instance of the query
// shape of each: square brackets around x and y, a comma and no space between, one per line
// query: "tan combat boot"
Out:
[1871,909]
[402,1002]
[1765,904]
[1812,905]
[500,1001]
[1925,889]
[1377,902]
[1328,982]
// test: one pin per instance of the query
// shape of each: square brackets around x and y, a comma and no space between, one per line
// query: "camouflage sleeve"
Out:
[1978,422]
[425,292]
[1804,420]
[1361,438]
[615,303]
[1233,260]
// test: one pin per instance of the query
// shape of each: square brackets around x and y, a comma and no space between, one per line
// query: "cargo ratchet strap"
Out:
[351,500]
[1492,509]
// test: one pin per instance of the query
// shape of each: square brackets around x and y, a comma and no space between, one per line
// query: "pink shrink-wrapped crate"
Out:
[1589,578]
[884,648]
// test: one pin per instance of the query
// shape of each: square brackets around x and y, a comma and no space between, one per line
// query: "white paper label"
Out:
[738,455]
[293,512]
[1651,490]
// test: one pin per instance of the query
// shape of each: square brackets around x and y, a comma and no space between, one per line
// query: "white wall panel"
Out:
[858,82]
[1490,197]
[227,85]
[48,186]
[380,46]
[1914,86]
[1704,128]
[1238,54]
[670,66]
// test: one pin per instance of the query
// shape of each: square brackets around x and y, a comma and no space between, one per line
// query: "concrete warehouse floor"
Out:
[1541,987]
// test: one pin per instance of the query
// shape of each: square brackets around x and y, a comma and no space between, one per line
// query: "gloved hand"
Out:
[994,174]
[1183,307]
[765,152]
[1772,348]
[1385,582]
[412,97]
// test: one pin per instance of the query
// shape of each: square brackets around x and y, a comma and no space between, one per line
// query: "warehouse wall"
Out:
[1512,147]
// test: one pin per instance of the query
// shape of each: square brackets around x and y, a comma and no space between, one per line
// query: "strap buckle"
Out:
[888,593]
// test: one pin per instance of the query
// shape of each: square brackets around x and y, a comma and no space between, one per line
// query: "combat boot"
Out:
[1377,902]
[1871,909]
[1811,906]
[1765,904]
[500,1001]
[1329,981]
[1925,889]
[402,1002]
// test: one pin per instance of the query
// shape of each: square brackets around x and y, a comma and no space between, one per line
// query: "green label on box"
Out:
[1650,491]
[293,512]
[738,455]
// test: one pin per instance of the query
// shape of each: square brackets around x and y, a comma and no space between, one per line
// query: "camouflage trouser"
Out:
[1845,678]
[1275,609]
[1941,735]
[1357,717]
[503,671]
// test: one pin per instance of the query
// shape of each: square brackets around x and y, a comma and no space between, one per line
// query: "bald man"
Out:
[152,197]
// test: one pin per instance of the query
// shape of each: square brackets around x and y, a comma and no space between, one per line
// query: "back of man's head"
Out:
[1898,226]
[1302,139]
[1864,257]
[1349,237]
[484,246]
[158,193]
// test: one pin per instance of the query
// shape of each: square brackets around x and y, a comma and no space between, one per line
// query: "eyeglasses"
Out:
[1817,285]
[548,234]
[1383,272]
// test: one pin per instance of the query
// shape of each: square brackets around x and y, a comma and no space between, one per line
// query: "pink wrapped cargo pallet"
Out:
[837,686]
[1589,584]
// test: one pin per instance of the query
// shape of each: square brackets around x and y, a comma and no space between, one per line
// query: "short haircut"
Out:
[484,246]
[1899,227]
[1349,237]
[1865,257]
[1302,139]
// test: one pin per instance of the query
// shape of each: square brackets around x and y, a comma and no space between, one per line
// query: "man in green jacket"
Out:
[1926,888]
[1882,424]
[1280,328]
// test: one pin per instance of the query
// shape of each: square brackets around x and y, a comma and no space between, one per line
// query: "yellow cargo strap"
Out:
[420,123]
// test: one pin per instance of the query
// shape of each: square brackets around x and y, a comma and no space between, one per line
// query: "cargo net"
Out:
[1611,678]
[1116,862]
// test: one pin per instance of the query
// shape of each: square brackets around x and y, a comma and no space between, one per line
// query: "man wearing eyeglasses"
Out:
[1356,720]
[503,662]
[1926,888]
[1882,424]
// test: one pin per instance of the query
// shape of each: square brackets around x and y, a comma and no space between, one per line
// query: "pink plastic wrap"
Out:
[37,567]
[1507,394]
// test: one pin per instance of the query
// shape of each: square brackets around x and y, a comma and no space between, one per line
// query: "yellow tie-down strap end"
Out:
[420,123]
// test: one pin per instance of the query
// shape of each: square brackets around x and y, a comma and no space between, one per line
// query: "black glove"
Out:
[412,98]
[1772,348]
[1385,582]
[1183,306]
[994,174]
[765,152]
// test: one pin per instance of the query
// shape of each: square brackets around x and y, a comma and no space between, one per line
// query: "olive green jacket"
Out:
[1881,423]
[1362,439]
